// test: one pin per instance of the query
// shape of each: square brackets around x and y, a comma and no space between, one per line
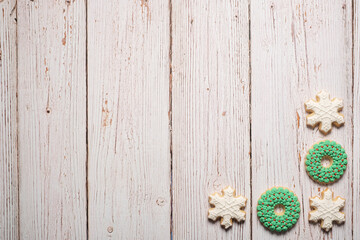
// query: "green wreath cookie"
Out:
[331,151]
[278,209]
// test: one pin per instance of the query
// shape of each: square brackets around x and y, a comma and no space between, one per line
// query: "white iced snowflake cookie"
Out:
[324,111]
[327,209]
[227,206]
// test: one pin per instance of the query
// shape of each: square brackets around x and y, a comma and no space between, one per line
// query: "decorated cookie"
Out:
[278,209]
[327,209]
[324,111]
[331,152]
[227,207]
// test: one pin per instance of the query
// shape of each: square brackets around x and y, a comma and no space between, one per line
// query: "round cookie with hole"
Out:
[278,209]
[326,162]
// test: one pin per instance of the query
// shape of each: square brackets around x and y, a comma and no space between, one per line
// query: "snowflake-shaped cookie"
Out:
[227,206]
[324,111]
[327,209]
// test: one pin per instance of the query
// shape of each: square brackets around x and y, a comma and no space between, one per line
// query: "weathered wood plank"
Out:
[356,120]
[211,124]
[8,124]
[129,140]
[298,48]
[52,119]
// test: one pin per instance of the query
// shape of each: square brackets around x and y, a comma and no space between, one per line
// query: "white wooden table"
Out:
[118,118]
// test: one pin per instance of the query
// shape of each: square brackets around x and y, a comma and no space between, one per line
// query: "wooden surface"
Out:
[210,106]
[298,49]
[356,120]
[119,118]
[52,119]
[8,124]
[128,120]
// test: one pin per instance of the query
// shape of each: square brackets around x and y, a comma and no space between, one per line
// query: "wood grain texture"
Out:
[178,100]
[356,120]
[52,119]
[298,48]
[8,124]
[129,137]
[211,124]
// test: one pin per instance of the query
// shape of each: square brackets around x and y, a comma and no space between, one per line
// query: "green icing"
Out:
[267,203]
[317,153]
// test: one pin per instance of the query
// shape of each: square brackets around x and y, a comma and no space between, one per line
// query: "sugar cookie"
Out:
[331,151]
[327,209]
[227,206]
[278,209]
[324,111]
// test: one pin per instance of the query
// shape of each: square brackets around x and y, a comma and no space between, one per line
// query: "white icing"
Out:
[327,209]
[325,112]
[227,206]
